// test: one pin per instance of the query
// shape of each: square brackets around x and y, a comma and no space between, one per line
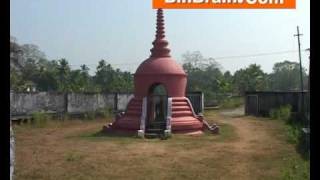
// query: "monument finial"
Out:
[160,45]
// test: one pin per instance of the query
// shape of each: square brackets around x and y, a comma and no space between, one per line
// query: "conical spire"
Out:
[160,48]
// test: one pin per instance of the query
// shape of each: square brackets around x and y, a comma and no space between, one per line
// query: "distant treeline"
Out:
[30,69]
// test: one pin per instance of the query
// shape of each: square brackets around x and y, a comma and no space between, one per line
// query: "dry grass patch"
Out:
[245,149]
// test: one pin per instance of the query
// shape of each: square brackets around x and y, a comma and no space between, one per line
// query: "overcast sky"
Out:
[121,32]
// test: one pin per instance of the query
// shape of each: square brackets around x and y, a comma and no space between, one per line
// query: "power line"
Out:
[256,55]
[217,58]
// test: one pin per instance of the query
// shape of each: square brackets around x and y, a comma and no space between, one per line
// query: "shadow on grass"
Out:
[227,134]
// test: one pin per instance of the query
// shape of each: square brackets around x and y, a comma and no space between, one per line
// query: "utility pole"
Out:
[299,45]
[301,80]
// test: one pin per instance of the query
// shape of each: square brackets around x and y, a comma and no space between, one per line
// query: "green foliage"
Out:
[109,80]
[29,68]
[204,75]
[39,119]
[282,113]
[250,79]
[274,114]
[232,102]
[90,115]
[64,117]
[294,132]
[293,127]
[104,112]
[285,113]
[286,76]
[15,79]
[297,169]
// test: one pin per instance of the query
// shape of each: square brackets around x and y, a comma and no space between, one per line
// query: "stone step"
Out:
[160,122]
[184,119]
[187,126]
[156,126]
[151,135]
[181,113]
[182,103]
[181,108]
[178,99]
[154,130]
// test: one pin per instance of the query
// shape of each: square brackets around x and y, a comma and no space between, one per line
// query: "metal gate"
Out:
[252,105]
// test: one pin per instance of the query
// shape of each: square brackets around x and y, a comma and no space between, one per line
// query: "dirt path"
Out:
[257,140]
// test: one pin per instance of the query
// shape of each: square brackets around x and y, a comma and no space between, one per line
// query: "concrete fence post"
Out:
[115,102]
[66,104]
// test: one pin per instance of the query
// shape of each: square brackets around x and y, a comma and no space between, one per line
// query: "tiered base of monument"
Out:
[130,121]
[183,119]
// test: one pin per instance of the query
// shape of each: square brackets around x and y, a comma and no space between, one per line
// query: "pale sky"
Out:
[121,32]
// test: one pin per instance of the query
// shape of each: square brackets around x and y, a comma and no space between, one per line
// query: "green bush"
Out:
[282,113]
[64,117]
[293,129]
[274,114]
[39,119]
[285,113]
[294,133]
[232,102]
[296,169]
[90,115]
[104,112]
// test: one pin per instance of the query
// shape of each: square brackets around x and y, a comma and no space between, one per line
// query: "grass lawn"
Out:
[247,148]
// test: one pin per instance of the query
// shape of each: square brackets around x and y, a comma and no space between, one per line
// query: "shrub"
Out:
[282,113]
[293,129]
[294,133]
[104,112]
[296,169]
[232,102]
[64,116]
[274,114]
[90,115]
[39,119]
[285,113]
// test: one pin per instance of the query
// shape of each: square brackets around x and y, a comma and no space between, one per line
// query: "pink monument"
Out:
[159,102]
